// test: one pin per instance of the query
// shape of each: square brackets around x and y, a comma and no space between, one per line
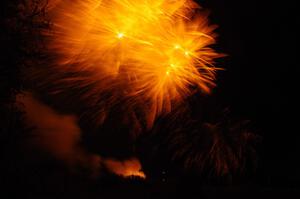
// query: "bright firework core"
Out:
[156,51]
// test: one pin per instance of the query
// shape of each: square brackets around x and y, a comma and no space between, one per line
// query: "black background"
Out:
[259,82]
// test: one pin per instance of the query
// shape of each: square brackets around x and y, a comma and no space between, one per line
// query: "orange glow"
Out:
[127,168]
[154,51]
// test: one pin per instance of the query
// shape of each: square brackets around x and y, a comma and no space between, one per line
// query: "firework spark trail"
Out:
[155,53]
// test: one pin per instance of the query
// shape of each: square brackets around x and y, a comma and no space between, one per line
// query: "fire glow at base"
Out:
[155,52]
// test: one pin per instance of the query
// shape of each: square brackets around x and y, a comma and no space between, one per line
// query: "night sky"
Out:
[259,84]
[260,81]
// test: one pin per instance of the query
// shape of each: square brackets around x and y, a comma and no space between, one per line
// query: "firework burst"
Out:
[148,55]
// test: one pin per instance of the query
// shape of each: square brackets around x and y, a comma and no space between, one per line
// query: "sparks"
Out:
[165,55]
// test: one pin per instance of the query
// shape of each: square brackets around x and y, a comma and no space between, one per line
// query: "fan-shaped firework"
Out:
[207,148]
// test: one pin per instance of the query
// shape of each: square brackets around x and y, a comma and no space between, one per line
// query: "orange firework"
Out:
[155,52]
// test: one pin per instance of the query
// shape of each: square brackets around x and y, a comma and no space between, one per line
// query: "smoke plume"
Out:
[60,136]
